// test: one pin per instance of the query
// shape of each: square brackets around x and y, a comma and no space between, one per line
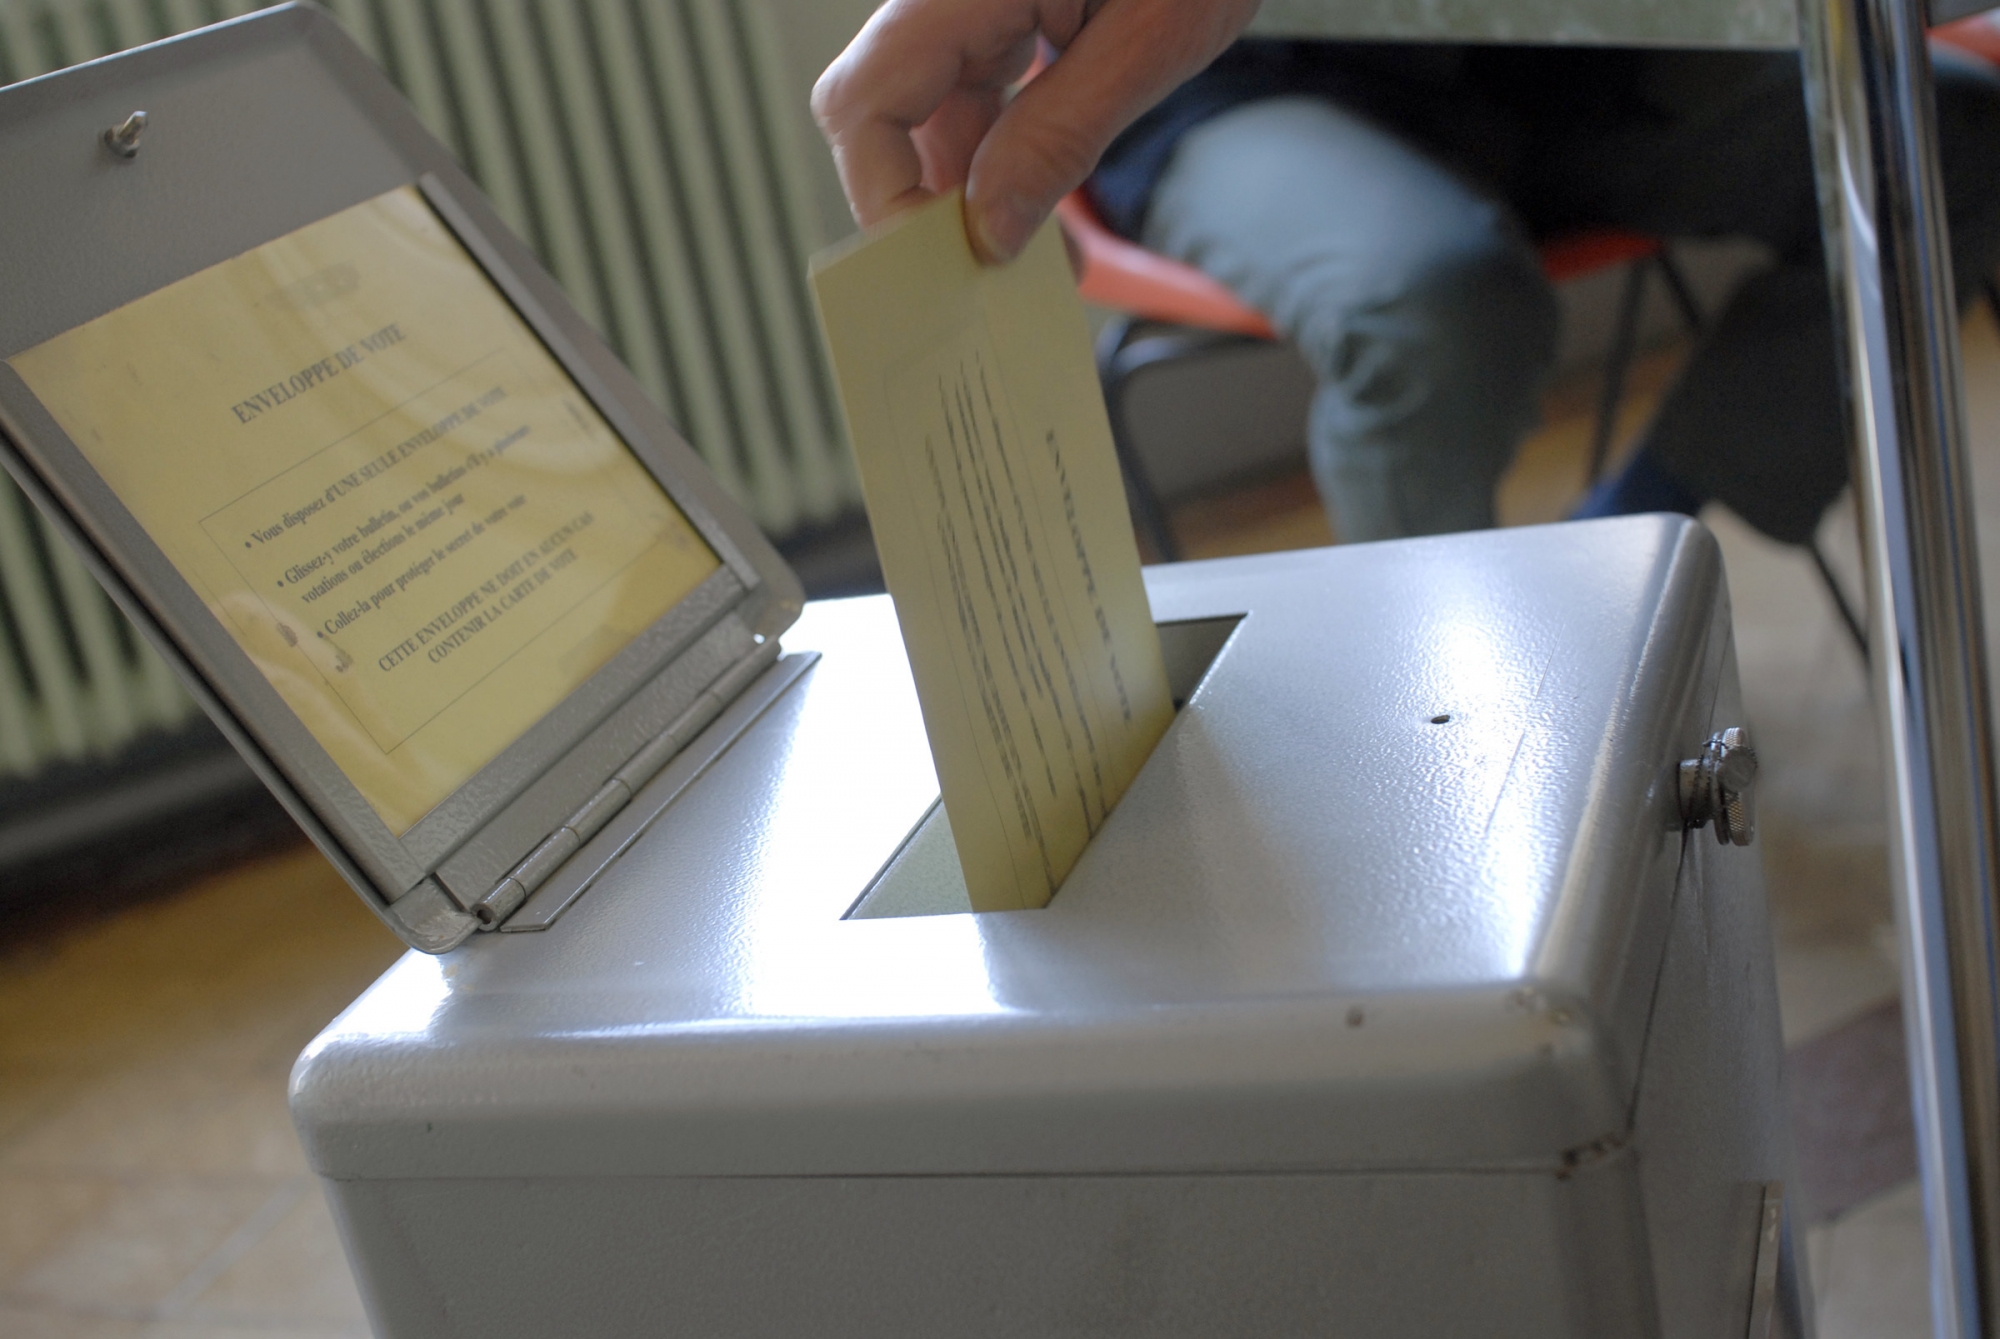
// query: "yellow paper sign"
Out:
[1000,518]
[382,484]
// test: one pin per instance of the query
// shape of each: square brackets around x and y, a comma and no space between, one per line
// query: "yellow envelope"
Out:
[1000,518]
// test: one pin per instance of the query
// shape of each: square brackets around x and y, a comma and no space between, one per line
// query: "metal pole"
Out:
[1868,88]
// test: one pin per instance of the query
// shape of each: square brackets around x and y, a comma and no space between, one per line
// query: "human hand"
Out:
[917,103]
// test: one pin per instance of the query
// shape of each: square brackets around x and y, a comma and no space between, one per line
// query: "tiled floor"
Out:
[150,1184]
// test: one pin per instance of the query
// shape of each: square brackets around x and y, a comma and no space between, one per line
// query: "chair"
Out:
[1978,36]
[1149,290]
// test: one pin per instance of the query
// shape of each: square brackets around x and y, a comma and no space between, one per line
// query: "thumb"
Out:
[1129,55]
[1036,153]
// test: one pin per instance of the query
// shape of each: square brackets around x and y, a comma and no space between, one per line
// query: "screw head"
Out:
[123,138]
[1718,785]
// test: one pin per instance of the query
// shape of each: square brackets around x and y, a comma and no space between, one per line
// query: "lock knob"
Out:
[1717,785]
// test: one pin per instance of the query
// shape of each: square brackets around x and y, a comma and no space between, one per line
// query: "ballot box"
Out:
[1395,999]
[1419,984]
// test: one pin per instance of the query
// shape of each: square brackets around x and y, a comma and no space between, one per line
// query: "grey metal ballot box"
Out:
[1393,999]
[1397,996]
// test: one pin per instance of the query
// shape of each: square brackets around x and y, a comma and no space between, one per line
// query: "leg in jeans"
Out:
[1414,298]
[1755,421]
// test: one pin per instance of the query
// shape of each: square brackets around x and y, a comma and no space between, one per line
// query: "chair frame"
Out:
[1130,344]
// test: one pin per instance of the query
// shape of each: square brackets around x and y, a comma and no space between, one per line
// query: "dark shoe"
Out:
[1642,486]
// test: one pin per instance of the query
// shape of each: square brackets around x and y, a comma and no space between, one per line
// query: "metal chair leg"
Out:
[1682,294]
[1147,509]
[1848,617]
[1624,341]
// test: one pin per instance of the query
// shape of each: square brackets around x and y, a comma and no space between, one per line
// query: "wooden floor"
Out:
[1545,482]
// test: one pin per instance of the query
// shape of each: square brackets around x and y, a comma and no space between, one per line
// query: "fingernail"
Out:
[1001,228]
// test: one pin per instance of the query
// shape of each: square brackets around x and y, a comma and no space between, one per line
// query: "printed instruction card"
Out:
[382,484]
[1001,522]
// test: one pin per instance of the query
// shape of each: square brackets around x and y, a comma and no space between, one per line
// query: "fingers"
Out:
[946,142]
[914,105]
[1129,55]
[880,171]
[904,104]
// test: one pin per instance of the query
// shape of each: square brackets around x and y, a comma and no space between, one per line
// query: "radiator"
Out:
[645,148]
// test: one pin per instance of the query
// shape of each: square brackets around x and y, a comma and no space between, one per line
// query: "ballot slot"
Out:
[1190,648]
[378,375]
[999,516]
[924,876]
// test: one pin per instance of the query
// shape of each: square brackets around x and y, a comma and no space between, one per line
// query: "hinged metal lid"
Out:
[343,450]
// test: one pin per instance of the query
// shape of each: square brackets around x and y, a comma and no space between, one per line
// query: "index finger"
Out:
[906,62]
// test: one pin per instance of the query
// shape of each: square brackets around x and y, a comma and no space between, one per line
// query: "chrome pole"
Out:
[1868,88]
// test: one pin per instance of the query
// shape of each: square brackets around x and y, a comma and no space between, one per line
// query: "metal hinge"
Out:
[1767,1286]
[507,896]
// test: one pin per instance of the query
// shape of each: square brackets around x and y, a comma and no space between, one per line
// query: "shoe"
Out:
[1642,486]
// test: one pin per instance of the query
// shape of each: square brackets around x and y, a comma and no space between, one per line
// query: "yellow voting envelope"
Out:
[1000,518]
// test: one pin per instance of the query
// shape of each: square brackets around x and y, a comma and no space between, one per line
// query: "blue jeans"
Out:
[1411,285]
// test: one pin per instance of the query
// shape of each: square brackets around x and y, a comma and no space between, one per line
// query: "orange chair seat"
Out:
[1978,36]
[1579,254]
[1126,277]
[1141,283]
